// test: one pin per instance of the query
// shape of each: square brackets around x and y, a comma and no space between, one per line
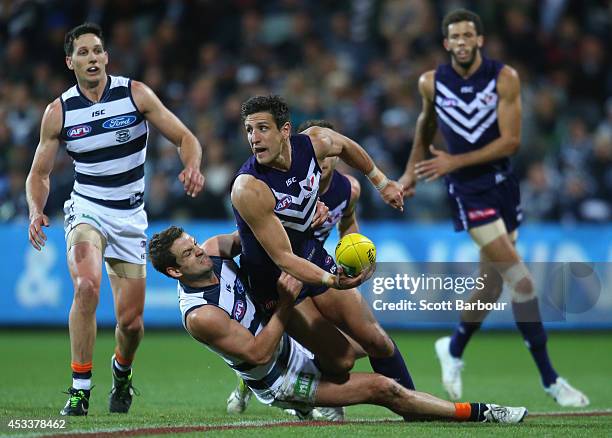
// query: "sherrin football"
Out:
[354,253]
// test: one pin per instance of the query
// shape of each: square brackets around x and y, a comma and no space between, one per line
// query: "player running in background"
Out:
[478,106]
[217,311]
[103,122]
[274,196]
[340,194]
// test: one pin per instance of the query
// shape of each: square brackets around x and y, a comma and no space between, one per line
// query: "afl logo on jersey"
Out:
[119,122]
[239,310]
[283,203]
[78,131]
[449,102]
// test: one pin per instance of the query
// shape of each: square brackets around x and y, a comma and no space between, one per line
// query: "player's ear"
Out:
[286,130]
[69,62]
[174,272]
[445,44]
[480,41]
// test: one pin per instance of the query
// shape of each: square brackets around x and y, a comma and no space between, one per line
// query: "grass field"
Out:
[183,388]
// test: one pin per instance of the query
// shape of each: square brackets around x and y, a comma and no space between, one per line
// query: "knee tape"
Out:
[485,234]
[85,233]
[122,269]
[513,276]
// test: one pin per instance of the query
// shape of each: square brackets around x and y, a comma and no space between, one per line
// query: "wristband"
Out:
[326,280]
[375,174]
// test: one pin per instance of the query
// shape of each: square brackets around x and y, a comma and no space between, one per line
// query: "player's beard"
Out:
[467,64]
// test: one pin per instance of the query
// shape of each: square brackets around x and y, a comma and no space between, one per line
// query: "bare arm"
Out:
[37,183]
[509,120]
[213,326]
[348,221]
[425,131]
[173,129]
[223,245]
[329,143]
[255,203]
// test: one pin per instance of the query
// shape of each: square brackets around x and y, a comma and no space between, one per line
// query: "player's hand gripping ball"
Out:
[354,253]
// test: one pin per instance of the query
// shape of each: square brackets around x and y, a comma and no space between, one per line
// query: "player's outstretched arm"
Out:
[329,143]
[255,203]
[214,327]
[348,222]
[425,131]
[173,129]
[37,183]
[509,120]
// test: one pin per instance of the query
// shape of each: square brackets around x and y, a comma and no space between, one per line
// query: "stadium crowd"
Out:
[355,63]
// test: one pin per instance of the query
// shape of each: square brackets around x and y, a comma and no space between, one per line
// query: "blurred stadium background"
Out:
[353,62]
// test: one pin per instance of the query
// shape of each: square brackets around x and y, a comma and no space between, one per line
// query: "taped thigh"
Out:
[86,233]
[487,233]
[123,269]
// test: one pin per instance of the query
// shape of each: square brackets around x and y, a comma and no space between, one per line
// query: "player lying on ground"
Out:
[218,312]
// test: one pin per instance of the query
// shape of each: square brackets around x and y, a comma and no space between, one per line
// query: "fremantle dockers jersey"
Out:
[467,117]
[108,142]
[337,198]
[231,296]
[295,190]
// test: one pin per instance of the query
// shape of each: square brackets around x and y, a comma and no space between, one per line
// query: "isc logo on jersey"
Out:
[119,122]
[78,131]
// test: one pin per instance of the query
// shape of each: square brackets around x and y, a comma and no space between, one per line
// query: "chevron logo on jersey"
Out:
[468,120]
[296,212]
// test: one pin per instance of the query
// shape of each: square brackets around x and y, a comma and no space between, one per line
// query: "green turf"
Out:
[181,383]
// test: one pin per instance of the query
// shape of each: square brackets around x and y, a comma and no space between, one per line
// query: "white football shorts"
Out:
[123,230]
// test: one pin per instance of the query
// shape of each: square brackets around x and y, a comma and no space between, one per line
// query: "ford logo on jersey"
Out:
[119,122]
[78,131]
[283,203]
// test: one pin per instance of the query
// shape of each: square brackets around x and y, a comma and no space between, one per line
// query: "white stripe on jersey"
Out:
[474,104]
[111,109]
[298,199]
[468,123]
[108,138]
[112,167]
[474,136]
[81,113]
[110,193]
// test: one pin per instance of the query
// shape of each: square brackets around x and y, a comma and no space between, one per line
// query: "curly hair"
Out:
[159,249]
[461,15]
[76,32]
[274,105]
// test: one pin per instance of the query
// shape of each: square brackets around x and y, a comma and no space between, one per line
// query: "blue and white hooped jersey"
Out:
[107,141]
[467,116]
[337,198]
[295,191]
[230,295]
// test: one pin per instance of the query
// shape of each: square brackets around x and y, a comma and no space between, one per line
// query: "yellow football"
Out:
[355,253]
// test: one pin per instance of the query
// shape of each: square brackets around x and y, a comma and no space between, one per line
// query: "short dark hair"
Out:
[76,32]
[461,15]
[274,105]
[314,122]
[159,249]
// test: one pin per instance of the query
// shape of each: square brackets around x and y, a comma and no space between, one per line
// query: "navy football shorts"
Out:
[475,209]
